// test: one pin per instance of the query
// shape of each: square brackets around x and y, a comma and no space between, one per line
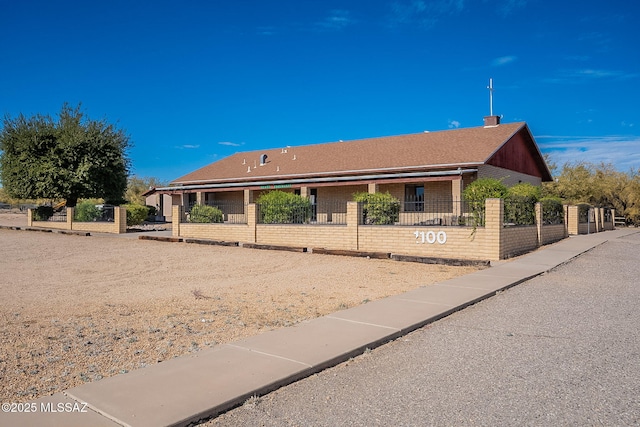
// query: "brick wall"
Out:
[493,241]
[518,240]
[222,232]
[118,226]
[552,233]
[440,242]
[309,236]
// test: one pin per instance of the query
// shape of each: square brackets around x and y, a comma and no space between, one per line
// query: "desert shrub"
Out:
[279,207]
[86,211]
[477,192]
[552,210]
[378,208]
[205,214]
[520,204]
[136,214]
[42,213]
[153,211]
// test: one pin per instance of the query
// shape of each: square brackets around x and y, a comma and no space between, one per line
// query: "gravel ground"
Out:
[78,309]
[561,349]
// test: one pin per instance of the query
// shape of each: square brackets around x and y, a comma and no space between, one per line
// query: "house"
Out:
[415,168]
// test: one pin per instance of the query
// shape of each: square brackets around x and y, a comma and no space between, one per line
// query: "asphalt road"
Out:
[562,349]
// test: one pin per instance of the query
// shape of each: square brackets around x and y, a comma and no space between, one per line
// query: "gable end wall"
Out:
[507,176]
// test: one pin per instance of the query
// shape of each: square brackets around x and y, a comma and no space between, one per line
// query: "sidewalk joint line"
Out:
[269,354]
[363,323]
[427,302]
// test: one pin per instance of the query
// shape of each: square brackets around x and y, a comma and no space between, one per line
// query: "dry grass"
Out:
[78,309]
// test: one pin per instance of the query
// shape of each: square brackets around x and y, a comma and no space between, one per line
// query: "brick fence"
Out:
[493,241]
[117,226]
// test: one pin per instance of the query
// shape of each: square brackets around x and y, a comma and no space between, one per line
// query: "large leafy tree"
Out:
[71,158]
[136,186]
[600,185]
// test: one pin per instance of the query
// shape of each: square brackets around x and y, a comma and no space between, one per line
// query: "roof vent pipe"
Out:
[263,159]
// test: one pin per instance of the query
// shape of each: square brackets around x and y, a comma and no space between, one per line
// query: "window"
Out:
[414,198]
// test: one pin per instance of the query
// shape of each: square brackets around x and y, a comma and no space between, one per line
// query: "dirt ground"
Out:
[78,309]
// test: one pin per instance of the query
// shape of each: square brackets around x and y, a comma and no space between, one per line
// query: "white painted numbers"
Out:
[430,237]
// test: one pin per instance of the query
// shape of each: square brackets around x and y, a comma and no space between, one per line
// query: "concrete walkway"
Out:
[194,387]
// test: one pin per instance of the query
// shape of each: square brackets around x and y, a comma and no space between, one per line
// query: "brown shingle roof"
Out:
[443,149]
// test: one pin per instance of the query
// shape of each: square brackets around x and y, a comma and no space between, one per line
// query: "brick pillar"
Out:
[613,219]
[539,222]
[252,221]
[120,218]
[572,220]
[372,188]
[29,218]
[176,219]
[200,198]
[304,192]
[70,212]
[494,220]
[354,216]
[456,195]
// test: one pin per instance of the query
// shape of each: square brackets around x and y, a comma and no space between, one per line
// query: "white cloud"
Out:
[621,151]
[454,124]
[187,147]
[230,144]
[510,6]
[503,60]
[422,13]
[338,19]
[589,74]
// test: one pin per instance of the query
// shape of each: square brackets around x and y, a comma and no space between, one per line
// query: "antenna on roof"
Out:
[490,87]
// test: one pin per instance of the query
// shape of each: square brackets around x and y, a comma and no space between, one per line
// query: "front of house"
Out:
[414,168]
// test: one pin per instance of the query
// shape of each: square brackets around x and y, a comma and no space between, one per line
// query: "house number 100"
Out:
[430,237]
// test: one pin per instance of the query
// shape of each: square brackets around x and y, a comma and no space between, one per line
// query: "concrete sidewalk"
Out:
[194,387]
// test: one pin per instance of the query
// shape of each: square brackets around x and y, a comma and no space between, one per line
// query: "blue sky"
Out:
[195,81]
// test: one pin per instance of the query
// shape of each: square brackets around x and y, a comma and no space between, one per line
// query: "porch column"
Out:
[456,195]
[248,196]
[200,198]
[372,188]
[304,192]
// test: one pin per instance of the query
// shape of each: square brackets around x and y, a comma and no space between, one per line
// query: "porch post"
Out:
[456,195]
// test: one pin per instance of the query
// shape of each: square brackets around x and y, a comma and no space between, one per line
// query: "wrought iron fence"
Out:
[107,214]
[585,213]
[519,211]
[552,211]
[329,212]
[284,213]
[59,216]
[232,212]
[421,211]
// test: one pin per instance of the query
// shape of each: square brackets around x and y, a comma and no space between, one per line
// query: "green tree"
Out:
[136,186]
[599,185]
[69,158]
